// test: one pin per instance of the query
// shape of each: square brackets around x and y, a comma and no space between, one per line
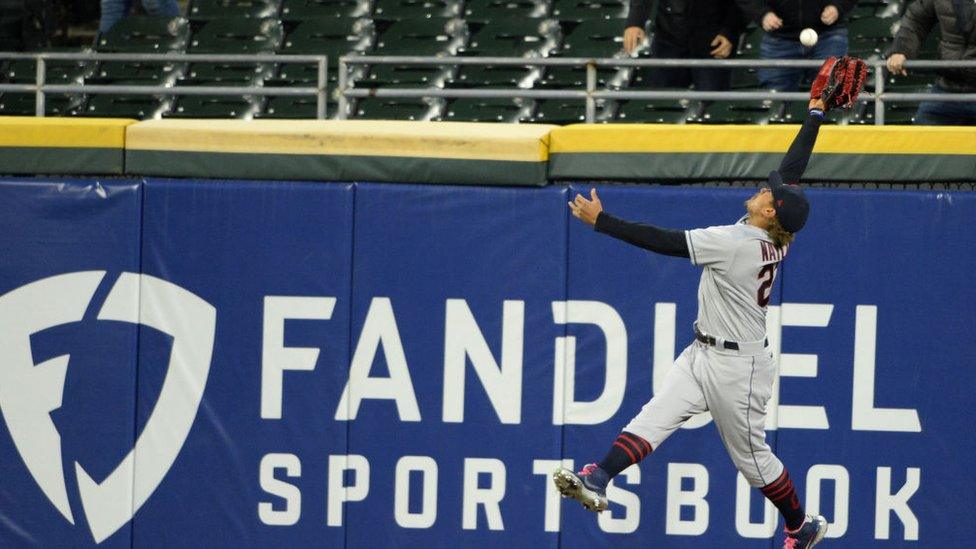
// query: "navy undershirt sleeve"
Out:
[795,162]
[663,241]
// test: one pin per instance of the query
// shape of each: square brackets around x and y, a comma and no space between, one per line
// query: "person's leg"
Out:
[112,12]
[780,79]
[944,113]
[658,77]
[165,8]
[712,79]
[737,389]
[680,398]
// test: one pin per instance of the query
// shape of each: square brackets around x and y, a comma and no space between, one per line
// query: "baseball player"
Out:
[728,369]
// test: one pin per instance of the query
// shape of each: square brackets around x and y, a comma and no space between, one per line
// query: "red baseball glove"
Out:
[839,82]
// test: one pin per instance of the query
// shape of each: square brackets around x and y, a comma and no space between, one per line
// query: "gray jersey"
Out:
[740,264]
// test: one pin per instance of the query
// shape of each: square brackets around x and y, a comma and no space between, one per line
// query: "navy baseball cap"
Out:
[790,203]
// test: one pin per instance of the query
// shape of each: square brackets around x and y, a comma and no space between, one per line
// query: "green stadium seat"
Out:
[895,114]
[146,34]
[143,73]
[483,11]
[866,8]
[744,78]
[394,109]
[405,76]
[488,110]
[795,112]
[333,38]
[212,106]
[142,34]
[596,38]
[872,28]
[866,48]
[516,37]
[575,77]
[589,10]
[556,111]
[209,10]
[399,10]
[735,112]
[434,36]
[238,35]
[301,10]
[479,76]
[915,82]
[659,111]
[293,108]
[24,71]
[55,104]
[750,43]
[140,107]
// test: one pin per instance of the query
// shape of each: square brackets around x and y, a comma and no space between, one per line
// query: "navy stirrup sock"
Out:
[783,496]
[627,450]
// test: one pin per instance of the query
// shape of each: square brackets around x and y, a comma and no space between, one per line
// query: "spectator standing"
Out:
[115,10]
[687,29]
[958,42]
[782,21]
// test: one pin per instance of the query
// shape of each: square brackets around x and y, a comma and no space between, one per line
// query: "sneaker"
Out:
[810,533]
[588,487]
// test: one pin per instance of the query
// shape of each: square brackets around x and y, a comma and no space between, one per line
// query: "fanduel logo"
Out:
[29,392]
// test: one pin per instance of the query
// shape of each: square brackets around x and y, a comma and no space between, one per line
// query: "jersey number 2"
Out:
[766,275]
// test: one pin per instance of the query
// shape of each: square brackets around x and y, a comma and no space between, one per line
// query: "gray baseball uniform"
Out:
[740,263]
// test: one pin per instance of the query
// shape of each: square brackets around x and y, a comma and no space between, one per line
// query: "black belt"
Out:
[710,340]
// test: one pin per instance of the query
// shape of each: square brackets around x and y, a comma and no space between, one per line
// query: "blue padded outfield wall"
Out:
[275,364]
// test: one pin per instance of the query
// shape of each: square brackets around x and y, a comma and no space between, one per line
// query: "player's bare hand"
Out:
[829,15]
[723,47]
[586,210]
[633,36]
[896,64]
[771,22]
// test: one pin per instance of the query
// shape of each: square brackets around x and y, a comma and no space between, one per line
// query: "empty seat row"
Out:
[393,10]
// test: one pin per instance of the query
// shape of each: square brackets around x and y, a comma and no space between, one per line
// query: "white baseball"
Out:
[808,37]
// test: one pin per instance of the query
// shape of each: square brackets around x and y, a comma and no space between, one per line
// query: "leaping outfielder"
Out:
[728,369]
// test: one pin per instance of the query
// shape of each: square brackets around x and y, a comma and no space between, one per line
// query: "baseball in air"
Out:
[808,37]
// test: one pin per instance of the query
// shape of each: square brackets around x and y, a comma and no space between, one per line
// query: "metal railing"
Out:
[590,94]
[40,87]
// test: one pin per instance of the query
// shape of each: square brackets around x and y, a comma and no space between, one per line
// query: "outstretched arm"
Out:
[795,162]
[656,239]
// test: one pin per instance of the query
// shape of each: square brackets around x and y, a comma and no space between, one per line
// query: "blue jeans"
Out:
[114,10]
[831,43]
[945,113]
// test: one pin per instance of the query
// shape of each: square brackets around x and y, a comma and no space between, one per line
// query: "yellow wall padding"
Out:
[456,140]
[80,133]
[658,138]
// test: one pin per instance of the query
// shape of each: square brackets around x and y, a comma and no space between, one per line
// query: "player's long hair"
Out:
[780,236]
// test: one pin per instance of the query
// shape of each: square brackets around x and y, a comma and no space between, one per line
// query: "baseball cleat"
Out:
[588,487]
[810,533]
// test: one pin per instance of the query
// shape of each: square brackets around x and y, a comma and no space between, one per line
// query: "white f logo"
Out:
[29,392]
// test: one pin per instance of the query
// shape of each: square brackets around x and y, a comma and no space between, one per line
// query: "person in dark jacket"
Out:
[782,20]
[957,21]
[687,29]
